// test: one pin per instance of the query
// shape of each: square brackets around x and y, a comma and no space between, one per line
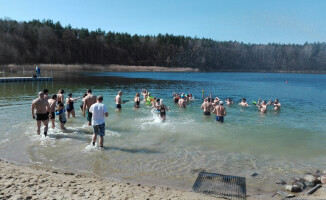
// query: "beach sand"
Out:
[28,182]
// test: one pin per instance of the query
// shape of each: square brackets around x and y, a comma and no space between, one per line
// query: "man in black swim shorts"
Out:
[41,107]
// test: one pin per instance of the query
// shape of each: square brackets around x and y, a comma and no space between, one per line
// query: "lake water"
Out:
[140,148]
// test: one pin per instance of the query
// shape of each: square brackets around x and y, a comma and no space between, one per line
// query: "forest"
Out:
[48,42]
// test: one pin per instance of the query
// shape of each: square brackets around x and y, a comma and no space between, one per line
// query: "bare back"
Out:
[52,104]
[117,99]
[41,106]
[90,100]
[206,106]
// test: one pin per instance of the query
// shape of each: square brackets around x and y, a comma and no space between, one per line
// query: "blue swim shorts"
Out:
[99,129]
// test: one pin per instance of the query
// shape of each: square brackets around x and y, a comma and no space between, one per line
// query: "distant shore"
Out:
[28,68]
[91,67]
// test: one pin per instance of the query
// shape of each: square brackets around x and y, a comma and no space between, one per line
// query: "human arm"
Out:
[269,103]
[84,107]
[33,106]
[258,103]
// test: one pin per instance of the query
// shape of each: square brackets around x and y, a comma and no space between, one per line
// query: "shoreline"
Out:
[92,67]
[36,182]
[30,182]
[30,68]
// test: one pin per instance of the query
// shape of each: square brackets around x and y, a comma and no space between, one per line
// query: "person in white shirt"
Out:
[99,111]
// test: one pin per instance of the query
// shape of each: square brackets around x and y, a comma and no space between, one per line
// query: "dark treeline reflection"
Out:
[48,42]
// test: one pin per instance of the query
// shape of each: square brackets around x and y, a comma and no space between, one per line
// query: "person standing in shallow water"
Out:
[137,101]
[220,112]
[118,100]
[90,99]
[53,104]
[60,96]
[99,111]
[41,107]
[207,107]
[70,105]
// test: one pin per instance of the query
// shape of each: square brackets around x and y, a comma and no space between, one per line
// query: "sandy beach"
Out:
[24,182]
[28,182]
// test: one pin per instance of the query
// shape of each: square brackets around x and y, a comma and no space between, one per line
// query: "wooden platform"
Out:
[23,79]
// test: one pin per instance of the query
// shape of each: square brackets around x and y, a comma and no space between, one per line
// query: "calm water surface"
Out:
[140,148]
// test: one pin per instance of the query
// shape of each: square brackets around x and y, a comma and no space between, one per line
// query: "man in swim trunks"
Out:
[46,94]
[90,99]
[118,100]
[207,107]
[243,102]
[41,108]
[99,111]
[276,104]
[220,112]
[263,105]
[53,104]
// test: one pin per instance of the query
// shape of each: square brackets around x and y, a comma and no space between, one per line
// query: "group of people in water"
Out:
[46,108]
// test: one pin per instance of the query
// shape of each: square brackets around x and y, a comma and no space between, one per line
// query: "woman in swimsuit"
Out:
[70,105]
[60,96]
[136,100]
[163,109]
[82,103]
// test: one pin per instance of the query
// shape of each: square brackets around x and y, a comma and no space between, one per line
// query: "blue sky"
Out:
[249,21]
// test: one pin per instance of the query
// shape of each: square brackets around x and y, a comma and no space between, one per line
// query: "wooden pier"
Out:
[24,79]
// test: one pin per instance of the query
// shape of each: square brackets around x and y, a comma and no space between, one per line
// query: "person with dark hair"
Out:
[62,115]
[90,99]
[70,105]
[137,101]
[60,96]
[82,103]
[46,94]
[243,102]
[41,108]
[99,111]
[276,104]
[53,104]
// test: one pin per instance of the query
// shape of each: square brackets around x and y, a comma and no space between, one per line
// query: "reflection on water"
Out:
[139,147]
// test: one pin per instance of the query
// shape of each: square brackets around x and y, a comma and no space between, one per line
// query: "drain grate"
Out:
[226,186]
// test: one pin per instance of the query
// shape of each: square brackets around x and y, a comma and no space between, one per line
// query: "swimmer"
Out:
[207,107]
[62,115]
[82,103]
[276,104]
[137,101]
[89,100]
[53,104]
[263,105]
[229,101]
[220,112]
[70,105]
[46,94]
[216,101]
[243,102]
[118,100]
[176,97]
[162,109]
[154,102]
[41,108]
[144,93]
[182,102]
[190,97]
[60,96]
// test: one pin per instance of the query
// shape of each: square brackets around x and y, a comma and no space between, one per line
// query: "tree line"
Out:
[49,42]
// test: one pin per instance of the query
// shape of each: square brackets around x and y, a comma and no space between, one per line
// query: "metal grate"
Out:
[226,186]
